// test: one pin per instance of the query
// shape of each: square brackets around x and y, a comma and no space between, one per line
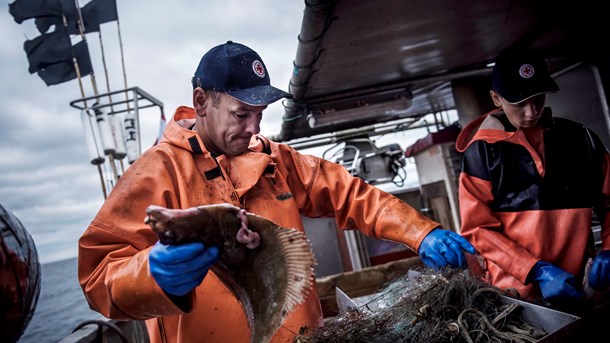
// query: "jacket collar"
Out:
[493,127]
[243,170]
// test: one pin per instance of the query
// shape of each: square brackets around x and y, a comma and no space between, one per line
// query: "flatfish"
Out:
[269,268]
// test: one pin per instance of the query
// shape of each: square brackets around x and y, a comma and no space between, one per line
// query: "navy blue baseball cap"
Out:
[239,71]
[521,75]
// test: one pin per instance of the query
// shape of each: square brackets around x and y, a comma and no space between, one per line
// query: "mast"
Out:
[111,125]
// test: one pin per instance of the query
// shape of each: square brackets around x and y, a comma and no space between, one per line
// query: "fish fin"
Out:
[286,261]
[300,262]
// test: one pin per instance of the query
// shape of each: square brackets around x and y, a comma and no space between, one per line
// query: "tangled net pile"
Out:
[431,306]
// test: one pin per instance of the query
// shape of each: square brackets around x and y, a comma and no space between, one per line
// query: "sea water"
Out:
[61,304]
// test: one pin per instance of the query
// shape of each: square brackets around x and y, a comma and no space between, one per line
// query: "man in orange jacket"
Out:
[529,187]
[210,154]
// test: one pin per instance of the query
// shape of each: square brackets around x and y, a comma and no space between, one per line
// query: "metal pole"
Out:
[93,82]
[99,169]
[123,62]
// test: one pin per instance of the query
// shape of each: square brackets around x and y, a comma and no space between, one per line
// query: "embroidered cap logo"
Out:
[258,68]
[526,71]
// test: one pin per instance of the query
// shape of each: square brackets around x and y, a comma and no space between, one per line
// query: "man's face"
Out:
[229,124]
[524,114]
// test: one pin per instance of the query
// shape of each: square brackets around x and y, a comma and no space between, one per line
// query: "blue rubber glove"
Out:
[442,248]
[178,269]
[555,283]
[599,275]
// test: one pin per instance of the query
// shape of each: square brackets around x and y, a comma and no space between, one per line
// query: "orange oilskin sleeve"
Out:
[120,285]
[331,191]
[113,252]
[484,230]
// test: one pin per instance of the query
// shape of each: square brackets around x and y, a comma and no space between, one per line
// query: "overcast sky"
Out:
[46,178]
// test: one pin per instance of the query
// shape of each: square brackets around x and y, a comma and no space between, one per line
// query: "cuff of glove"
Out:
[183,302]
[531,276]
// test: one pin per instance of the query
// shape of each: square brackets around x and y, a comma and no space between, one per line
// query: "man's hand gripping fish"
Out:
[269,268]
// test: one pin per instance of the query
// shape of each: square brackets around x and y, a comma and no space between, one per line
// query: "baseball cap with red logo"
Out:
[519,76]
[239,71]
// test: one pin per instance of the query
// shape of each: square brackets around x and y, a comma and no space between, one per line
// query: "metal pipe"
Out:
[339,136]
[314,25]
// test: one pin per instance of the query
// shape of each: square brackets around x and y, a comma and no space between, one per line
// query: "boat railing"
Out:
[109,331]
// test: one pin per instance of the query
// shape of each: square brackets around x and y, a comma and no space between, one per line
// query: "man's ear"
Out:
[495,97]
[199,101]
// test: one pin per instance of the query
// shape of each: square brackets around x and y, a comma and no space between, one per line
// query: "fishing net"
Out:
[431,306]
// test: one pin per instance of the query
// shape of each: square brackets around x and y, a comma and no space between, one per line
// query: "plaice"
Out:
[283,259]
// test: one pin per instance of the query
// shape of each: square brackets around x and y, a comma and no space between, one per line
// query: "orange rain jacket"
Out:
[518,207]
[272,180]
